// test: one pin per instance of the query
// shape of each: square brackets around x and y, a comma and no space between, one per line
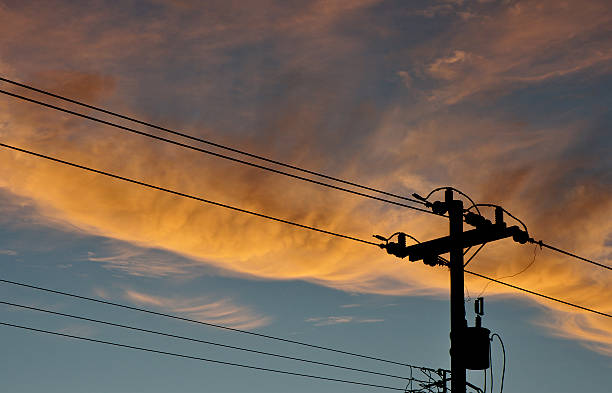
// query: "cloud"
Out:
[79,330]
[145,263]
[516,44]
[335,320]
[282,83]
[221,312]
[526,168]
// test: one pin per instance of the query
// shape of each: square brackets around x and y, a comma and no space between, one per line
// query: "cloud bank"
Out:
[299,83]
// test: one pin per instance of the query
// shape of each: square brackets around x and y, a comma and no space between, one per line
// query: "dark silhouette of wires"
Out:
[176,317]
[501,389]
[198,340]
[278,220]
[539,294]
[183,145]
[185,195]
[523,270]
[542,244]
[420,200]
[111,343]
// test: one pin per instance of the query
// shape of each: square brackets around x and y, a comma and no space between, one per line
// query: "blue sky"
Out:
[506,100]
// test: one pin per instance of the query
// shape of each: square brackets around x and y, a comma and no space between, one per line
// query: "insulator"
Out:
[476,220]
[431,260]
[519,236]
[438,207]
[401,239]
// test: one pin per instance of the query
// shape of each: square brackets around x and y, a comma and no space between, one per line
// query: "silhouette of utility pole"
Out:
[462,337]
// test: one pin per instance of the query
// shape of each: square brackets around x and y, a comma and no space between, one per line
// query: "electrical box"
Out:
[476,348]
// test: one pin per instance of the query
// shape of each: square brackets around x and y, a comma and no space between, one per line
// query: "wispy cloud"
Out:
[513,44]
[221,311]
[79,330]
[335,320]
[543,172]
[145,263]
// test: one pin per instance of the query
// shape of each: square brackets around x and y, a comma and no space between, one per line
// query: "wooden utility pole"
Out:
[457,303]
[462,337]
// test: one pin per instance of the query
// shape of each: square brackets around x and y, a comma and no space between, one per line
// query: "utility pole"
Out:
[457,303]
[462,337]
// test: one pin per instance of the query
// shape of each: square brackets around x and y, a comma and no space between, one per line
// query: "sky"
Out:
[508,101]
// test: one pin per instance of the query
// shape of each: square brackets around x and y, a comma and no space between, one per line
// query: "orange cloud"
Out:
[526,169]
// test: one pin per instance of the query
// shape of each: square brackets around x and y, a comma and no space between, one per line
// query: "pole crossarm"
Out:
[434,248]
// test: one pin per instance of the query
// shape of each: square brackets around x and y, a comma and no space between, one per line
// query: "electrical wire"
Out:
[185,195]
[535,250]
[485,375]
[540,295]
[542,244]
[474,254]
[457,191]
[176,317]
[274,219]
[198,340]
[475,205]
[501,389]
[142,133]
[199,358]
[491,367]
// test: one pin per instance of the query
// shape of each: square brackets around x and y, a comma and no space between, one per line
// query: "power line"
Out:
[542,244]
[199,358]
[166,315]
[539,294]
[207,141]
[474,205]
[142,133]
[270,218]
[185,195]
[199,341]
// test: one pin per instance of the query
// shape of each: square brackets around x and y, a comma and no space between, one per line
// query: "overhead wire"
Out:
[261,215]
[219,155]
[209,324]
[474,205]
[134,328]
[539,294]
[144,349]
[267,217]
[474,254]
[501,389]
[542,244]
[457,191]
[151,186]
[523,270]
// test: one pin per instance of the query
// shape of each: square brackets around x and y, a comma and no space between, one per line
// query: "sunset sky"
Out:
[508,101]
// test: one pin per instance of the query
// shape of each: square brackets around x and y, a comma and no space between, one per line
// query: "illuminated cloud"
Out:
[336,320]
[221,312]
[534,170]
